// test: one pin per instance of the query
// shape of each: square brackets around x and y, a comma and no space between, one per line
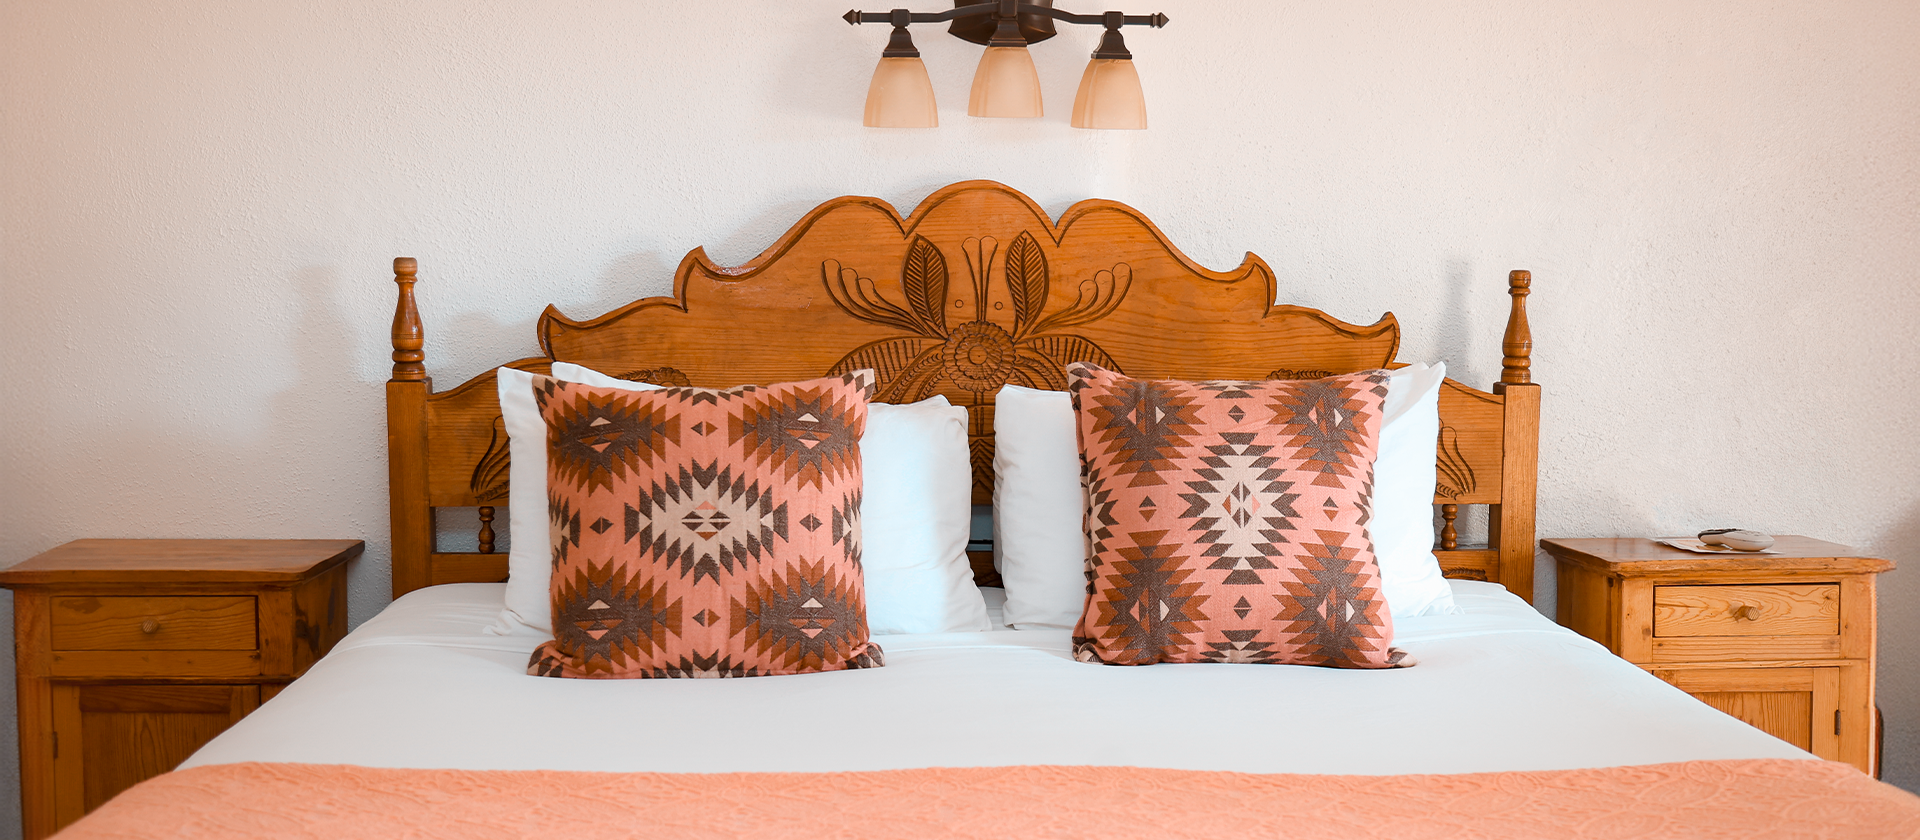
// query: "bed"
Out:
[424,723]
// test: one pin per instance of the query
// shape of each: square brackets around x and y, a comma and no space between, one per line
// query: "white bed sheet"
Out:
[1498,687]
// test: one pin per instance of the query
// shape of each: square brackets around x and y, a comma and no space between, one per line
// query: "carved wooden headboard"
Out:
[976,289]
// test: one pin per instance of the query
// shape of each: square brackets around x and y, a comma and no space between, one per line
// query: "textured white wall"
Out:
[1718,200]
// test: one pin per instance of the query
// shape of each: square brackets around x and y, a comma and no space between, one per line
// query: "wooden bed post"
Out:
[407,440]
[1511,522]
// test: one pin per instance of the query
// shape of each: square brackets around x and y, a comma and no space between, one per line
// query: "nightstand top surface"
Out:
[181,561]
[1638,555]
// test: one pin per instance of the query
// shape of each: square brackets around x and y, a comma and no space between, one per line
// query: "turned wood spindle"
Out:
[486,529]
[409,360]
[1449,537]
[1516,366]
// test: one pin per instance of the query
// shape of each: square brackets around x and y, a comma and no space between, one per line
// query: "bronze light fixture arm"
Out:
[1108,19]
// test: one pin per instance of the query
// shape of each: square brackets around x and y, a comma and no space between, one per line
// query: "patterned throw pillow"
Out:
[1227,521]
[705,533]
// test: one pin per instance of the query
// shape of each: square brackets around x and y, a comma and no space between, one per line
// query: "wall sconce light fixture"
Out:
[1005,84]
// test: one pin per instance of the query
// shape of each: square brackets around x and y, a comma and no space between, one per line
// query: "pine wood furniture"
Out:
[1783,641]
[977,288]
[131,654]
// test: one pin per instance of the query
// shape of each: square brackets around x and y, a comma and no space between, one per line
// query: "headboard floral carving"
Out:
[977,355]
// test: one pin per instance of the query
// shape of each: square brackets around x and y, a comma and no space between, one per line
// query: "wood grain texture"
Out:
[276,649]
[1472,443]
[1469,563]
[1510,523]
[1587,604]
[450,567]
[1638,555]
[1859,620]
[983,571]
[69,768]
[408,336]
[1742,648]
[1517,343]
[1804,706]
[1634,626]
[319,619]
[468,445]
[129,734]
[125,664]
[1784,642]
[222,562]
[130,654]
[34,709]
[976,289]
[408,498]
[1857,730]
[88,622]
[1747,610]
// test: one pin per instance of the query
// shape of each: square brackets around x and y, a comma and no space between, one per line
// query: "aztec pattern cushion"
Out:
[1227,521]
[705,533]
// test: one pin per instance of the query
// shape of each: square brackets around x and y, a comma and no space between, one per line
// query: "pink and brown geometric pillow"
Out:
[705,533]
[1227,521]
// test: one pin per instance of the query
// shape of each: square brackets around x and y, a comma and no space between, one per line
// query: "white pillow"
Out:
[916,507]
[917,480]
[1039,539]
[1403,482]
[1039,508]
[529,560]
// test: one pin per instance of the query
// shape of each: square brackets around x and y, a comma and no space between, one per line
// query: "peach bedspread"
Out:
[1701,799]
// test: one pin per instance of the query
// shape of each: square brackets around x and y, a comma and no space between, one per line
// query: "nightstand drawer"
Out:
[1747,610]
[133,623]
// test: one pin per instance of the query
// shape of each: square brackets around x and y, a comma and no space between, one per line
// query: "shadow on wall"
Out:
[1458,326]
[324,416]
[1898,687]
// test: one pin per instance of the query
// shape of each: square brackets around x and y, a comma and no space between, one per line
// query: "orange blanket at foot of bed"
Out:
[1698,799]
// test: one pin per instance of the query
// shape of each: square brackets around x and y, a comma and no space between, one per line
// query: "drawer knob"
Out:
[150,626]
[1746,611]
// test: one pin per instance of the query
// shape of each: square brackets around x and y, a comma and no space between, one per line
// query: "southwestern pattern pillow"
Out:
[705,533]
[1227,521]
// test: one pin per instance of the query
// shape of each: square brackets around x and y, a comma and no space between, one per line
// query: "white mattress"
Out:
[1497,688]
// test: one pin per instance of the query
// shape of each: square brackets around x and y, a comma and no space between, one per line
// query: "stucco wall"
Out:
[1718,200]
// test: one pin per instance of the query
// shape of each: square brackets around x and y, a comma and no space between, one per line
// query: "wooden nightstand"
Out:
[131,654]
[1782,641]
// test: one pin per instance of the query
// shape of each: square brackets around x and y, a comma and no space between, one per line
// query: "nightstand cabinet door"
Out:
[107,738]
[1800,706]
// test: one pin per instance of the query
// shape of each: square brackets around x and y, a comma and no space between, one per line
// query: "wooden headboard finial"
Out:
[409,360]
[1516,367]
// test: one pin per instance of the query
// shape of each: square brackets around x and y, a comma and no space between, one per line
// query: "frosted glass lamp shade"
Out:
[1110,96]
[1005,85]
[901,95]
